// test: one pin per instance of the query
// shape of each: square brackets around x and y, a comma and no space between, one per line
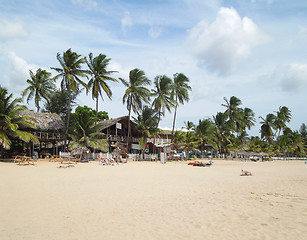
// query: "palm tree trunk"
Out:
[128,128]
[96,111]
[174,122]
[68,116]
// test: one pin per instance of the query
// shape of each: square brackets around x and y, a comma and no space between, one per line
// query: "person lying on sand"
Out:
[245,173]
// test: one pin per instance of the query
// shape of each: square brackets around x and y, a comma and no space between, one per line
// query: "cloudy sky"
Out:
[252,49]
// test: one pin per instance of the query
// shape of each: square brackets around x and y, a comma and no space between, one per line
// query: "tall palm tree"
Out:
[99,76]
[41,85]
[233,111]
[146,123]
[223,128]
[267,127]
[11,121]
[162,95]
[180,93]
[283,116]
[70,73]
[136,93]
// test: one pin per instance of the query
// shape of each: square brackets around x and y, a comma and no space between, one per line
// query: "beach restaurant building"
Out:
[48,129]
[116,131]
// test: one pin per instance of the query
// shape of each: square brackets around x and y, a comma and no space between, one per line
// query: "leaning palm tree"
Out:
[162,95]
[180,93]
[99,76]
[146,123]
[70,73]
[41,85]
[11,121]
[136,93]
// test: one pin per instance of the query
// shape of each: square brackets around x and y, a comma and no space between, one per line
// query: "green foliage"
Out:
[162,95]
[180,93]
[84,132]
[40,87]
[99,77]
[11,122]
[146,123]
[70,73]
[58,102]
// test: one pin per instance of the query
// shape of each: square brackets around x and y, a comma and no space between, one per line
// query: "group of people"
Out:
[108,161]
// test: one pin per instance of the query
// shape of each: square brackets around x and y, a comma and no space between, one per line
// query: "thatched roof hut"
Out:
[44,121]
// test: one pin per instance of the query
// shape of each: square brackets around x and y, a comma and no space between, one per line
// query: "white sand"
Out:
[146,200]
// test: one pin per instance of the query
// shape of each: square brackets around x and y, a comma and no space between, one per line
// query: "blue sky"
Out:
[253,49]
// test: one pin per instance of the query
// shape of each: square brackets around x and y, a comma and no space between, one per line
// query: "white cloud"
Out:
[155,31]
[126,21]
[229,38]
[292,77]
[17,73]
[11,29]
[88,4]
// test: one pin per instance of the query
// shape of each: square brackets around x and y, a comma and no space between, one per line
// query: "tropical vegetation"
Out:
[223,134]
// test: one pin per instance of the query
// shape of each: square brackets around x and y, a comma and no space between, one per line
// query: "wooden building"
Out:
[48,129]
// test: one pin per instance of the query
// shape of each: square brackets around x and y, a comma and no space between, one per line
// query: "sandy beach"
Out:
[149,200]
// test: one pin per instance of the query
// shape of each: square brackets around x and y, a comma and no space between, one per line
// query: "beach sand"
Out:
[149,200]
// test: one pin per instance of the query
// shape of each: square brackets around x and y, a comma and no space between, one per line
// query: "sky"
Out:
[252,49]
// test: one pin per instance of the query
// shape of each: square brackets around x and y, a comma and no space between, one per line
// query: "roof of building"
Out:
[44,121]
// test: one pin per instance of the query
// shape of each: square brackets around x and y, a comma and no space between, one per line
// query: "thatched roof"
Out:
[44,121]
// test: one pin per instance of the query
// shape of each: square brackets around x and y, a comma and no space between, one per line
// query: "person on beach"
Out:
[245,173]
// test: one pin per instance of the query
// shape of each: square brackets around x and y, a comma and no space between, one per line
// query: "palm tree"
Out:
[11,121]
[135,94]
[86,134]
[99,74]
[267,127]
[283,116]
[180,93]
[233,111]
[190,143]
[205,133]
[70,72]
[162,95]
[146,123]
[223,128]
[40,86]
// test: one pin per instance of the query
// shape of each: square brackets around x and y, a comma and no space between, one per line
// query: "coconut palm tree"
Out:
[11,121]
[146,123]
[99,76]
[162,95]
[189,143]
[283,116]
[205,133]
[41,85]
[136,93]
[180,93]
[223,128]
[86,132]
[70,73]
[233,111]
[267,127]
